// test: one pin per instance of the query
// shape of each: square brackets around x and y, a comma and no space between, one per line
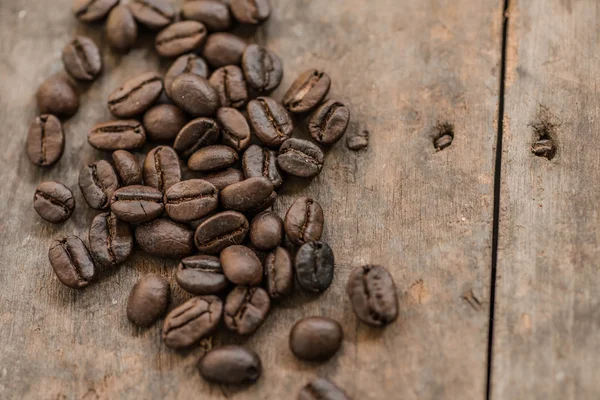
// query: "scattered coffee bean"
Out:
[229,83]
[196,318]
[241,266]
[262,68]
[322,389]
[161,168]
[279,273]
[191,200]
[111,240]
[122,134]
[232,365]
[222,179]
[304,221]
[137,203]
[53,201]
[148,300]
[270,121]
[212,158]
[165,238]
[235,128]
[220,231]
[314,266]
[81,58]
[197,134]
[258,161]
[250,11]
[247,194]
[180,38]
[121,29]
[300,158]
[373,295]
[358,141]
[316,338]
[56,96]
[163,122]
[307,91]
[194,94]
[98,182]
[127,167]
[329,122]
[92,10]
[45,141]
[135,95]
[201,274]
[246,308]
[223,49]
[155,14]
[186,64]
[212,13]
[72,262]
[266,231]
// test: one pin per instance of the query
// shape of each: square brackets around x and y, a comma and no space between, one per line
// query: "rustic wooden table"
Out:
[480,235]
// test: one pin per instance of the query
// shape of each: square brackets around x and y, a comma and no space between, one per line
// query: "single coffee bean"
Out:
[229,83]
[45,141]
[250,11]
[127,134]
[212,158]
[53,201]
[246,308]
[322,389]
[220,231]
[137,203]
[98,182]
[201,274]
[314,266]
[247,194]
[358,141]
[307,91]
[222,179]
[316,338]
[92,10]
[270,121]
[72,262]
[127,167]
[135,95]
[56,96]
[301,158]
[241,266]
[266,231]
[373,295]
[235,128]
[329,122]
[212,13]
[198,133]
[223,49]
[186,64]
[304,221]
[163,122]
[195,95]
[279,273]
[191,200]
[121,29]
[155,14]
[264,205]
[148,300]
[180,38]
[165,238]
[161,168]
[111,240]
[196,318]
[262,68]
[81,58]
[232,365]
[258,161]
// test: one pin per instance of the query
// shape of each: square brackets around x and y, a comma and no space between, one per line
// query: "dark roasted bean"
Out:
[266,231]
[316,338]
[56,96]
[235,128]
[246,195]
[92,10]
[232,365]
[250,11]
[307,91]
[220,231]
[165,238]
[186,64]
[314,266]
[137,203]
[246,309]
[329,122]
[72,262]
[304,221]
[270,121]
[279,273]
[45,141]
[161,168]
[81,58]
[98,182]
[121,29]
[148,300]
[212,13]
[223,49]
[191,200]
[155,14]
[180,38]
[201,274]
[194,94]
[127,167]
[258,161]
[122,134]
[163,122]
[222,179]
[135,95]
[111,240]
[196,318]
[53,201]
[198,133]
[300,158]
[262,68]
[373,295]
[229,83]
[322,389]
[241,266]
[212,158]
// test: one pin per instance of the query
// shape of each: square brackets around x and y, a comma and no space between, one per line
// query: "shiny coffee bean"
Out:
[223,49]
[270,121]
[53,201]
[329,122]
[246,308]
[258,161]
[307,91]
[161,168]
[250,11]
[196,318]
[155,14]
[279,273]
[316,338]
[262,68]
[222,179]
[220,231]
[186,64]
[111,240]
[148,300]
[72,262]
[127,167]
[372,292]
[241,265]
[235,128]
[135,95]
[180,38]
[213,14]
[322,389]
[314,266]
[121,29]
[301,158]
[92,10]
[246,195]
[56,96]
[229,83]
[230,365]
[81,58]
[304,221]
[98,182]
[127,134]
[45,141]
[165,238]
[212,158]
[191,200]
[163,122]
[198,133]
[137,203]
[201,274]
[266,231]
[194,95]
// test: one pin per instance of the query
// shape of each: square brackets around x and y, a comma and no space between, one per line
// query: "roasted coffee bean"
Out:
[316,338]
[235,128]
[123,134]
[358,141]
[307,91]
[373,295]
[220,231]
[81,58]
[137,203]
[270,121]
[266,231]
[111,240]
[329,122]
[194,94]
[246,309]
[197,134]
[212,13]
[279,273]
[232,365]
[92,10]
[222,179]
[247,194]
[191,200]
[135,95]
[56,96]
[53,201]
[258,161]
[148,300]
[98,182]
[196,318]
[304,221]
[45,141]
[229,83]
[127,167]
[201,274]
[72,262]
[301,158]
[212,158]
[165,238]
[185,64]
[180,38]
[121,29]
[262,68]
[223,49]
[314,266]
[155,14]
[241,266]
[322,389]
[250,11]
[163,122]
[161,168]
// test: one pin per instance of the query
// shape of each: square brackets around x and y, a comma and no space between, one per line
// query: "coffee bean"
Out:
[270,121]
[196,318]
[137,203]
[212,158]
[197,134]
[155,14]
[222,179]
[316,338]
[307,91]
[201,274]
[72,262]
[81,58]
[194,94]
[301,158]
[163,122]
[358,141]
[135,95]
[247,194]
[235,128]
[314,266]
[191,200]
[329,122]
[148,300]
[98,182]
[111,240]
[165,238]
[45,141]
[373,295]
[250,11]
[186,64]
[220,231]
[246,308]
[212,13]
[266,231]
[121,29]
[258,161]
[223,49]
[161,168]
[233,365]
[279,273]
[122,134]
[241,266]
[262,68]
[127,167]
[53,201]
[180,38]
[322,389]
[92,10]
[229,83]
[304,221]
[56,96]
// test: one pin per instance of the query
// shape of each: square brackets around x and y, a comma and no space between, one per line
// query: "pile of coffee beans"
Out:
[238,257]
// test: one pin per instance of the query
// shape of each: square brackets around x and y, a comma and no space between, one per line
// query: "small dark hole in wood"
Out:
[444,136]
[544,144]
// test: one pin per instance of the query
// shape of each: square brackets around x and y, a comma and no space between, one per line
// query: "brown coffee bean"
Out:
[148,300]
[229,83]
[241,266]
[98,182]
[221,231]
[250,11]
[329,122]
[307,91]
[266,231]
[232,365]
[81,58]
[270,121]
[235,128]
[222,179]
[322,389]
[126,134]
[161,168]
[316,338]
[135,95]
[127,167]
[262,68]
[358,141]
[314,264]
[53,201]
[121,29]
[212,13]
[186,64]
[212,158]
[246,195]
[45,141]
[165,238]
[155,14]
[111,240]
[372,292]
[194,94]
[304,221]
[137,203]
[191,200]
[258,161]
[223,49]
[163,122]
[246,308]
[279,273]
[300,158]
[56,96]
[72,262]
[92,10]
[196,318]
[180,38]
[198,133]
[201,274]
